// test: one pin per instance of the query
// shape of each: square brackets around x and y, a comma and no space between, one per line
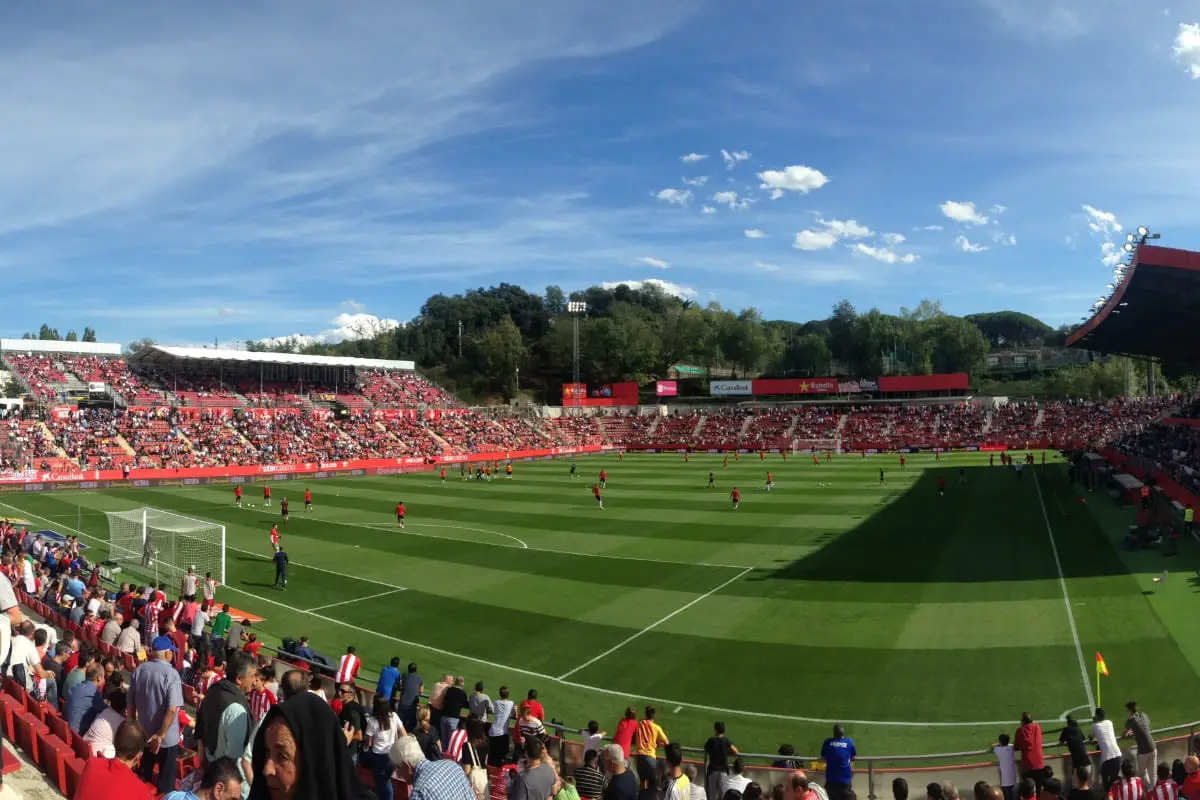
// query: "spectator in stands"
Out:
[436,698]
[1191,784]
[1072,736]
[304,651]
[220,629]
[426,736]
[1110,752]
[589,779]
[536,778]
[900,789]
[156,694]
[129,641]
[223,721]
[626,728]
[112,628]
[679,787]
[10,607]
[1029,742]
[383,728]
[717,751]
[353,718]
[221,781]
[86,700]
[411,686]
[105,778]
[839,754]
[54,663]
[389,680]
[430,780]
[26,665]
[1129,786]
[498,738]
[621,783]
[300,753]
[1082,785]
[1137,725]
[453,702]
[102,732]
[650,736]
[480,704]
[735,780]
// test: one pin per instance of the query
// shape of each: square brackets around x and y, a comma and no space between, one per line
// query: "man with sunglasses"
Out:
[353,714]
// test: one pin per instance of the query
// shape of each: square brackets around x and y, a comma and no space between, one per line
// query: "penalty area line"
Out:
[654,625]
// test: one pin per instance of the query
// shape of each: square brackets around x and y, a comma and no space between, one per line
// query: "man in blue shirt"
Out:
[304,651]
[86,700]
[838,753]
[389,681]
[74,586]
[410,695]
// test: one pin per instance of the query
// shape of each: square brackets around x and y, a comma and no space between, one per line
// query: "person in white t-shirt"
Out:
[1007,763]
[1110,752]
[382,730]
[100,733]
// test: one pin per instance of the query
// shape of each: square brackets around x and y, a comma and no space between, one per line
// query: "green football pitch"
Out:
[926,624]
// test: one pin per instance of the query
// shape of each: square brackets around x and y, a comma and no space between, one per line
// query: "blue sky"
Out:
[241,170]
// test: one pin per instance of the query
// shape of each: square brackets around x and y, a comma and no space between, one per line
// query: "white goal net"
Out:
[817,445]
[156,543]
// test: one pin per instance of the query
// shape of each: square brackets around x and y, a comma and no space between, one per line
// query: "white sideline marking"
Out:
[268,559]
[653,625]
[1062,581]
[355,600]
[623,695]
[677,710]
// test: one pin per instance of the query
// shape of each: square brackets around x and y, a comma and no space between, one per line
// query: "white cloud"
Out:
[730,198]
[1110,254]
[967,246]
[765,267]
[1102,222]
[682,292]
[1187,47]
[754,233]
[832,231]
[999,209]
[797,178]
[931,228]
[650,261]
[676,197]
[883,254]
[734,158]
[815,240]
[894,238]
[703,179]
[692,158]
[345,326]
[999,237]
[963,212]
[707,210]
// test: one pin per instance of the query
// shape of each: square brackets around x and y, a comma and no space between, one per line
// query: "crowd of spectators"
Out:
[115,373]
[24,444]
[91,438]
[40,373]
[723,426]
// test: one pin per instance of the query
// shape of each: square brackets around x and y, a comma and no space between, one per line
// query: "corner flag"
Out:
[1101,667]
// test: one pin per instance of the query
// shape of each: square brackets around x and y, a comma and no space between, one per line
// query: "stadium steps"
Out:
[987,421]
[447,448]
[538,430]
[126,447]
[50,437]
[649,437]
[699,427]
[603,430]
[842,423]
[790,433]
[745,428]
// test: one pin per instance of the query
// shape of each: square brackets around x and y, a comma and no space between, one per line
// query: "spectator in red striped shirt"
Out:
[261,698]
[1165,789]
[1129,786]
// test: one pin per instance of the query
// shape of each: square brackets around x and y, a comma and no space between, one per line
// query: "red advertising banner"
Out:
[768,386]
[612,394]
[1191,423]
[924,383]
[666,389]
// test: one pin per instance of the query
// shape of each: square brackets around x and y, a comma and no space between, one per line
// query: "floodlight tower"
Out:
[577,309]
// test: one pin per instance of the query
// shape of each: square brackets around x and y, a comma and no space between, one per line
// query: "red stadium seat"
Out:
[82,749]
[54,753]
[73,768]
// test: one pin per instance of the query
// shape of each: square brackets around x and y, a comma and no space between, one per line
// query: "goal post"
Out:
[817,445]
[162,543]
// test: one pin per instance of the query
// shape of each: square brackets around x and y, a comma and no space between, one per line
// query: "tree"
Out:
[135,347]
[958,345]
[556,301]
[498,354]
[71,337]
[48,334]
[1011,328]
[807,356]
[89,335]
[841,331]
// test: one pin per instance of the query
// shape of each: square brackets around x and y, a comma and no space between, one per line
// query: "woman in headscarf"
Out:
[300,753]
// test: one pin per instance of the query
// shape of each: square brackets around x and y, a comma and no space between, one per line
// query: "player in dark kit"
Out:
[712,480]
[281,565]
[572,472]
[882,480]
[941,486]
[283,510]
[400,510]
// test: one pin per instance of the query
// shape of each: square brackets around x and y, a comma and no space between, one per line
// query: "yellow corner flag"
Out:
[1101,667]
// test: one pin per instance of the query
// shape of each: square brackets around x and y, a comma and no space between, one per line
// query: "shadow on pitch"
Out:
[991,528]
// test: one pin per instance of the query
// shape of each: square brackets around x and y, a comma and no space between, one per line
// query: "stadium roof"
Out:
[159,354]
[1153,313]
[59,346]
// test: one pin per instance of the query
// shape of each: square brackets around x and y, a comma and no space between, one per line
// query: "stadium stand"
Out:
[676,429]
